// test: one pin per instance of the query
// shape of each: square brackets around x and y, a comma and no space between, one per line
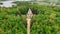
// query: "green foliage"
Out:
[46,20]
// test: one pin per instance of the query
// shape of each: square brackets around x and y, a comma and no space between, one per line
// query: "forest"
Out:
[45,20]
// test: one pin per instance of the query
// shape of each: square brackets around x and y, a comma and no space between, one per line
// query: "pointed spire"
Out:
[29,11]
[29,14]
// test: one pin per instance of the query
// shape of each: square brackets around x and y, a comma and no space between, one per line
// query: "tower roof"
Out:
[29,14]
